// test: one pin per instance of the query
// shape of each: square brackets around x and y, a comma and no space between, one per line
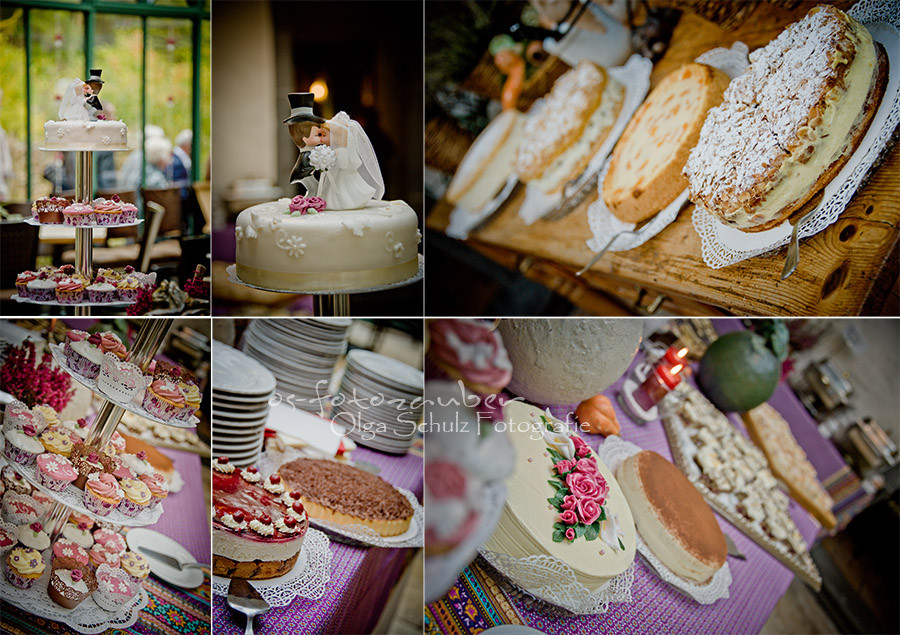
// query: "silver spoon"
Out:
[793,251]
[244,598]
[606,248]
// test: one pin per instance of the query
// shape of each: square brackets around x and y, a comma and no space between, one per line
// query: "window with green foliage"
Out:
[155,60]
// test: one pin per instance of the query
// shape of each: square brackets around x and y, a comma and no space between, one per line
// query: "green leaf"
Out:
[602,514]
[557,457]
[592,531]
[560,525]
[580,529]
[621,544]
[559,535]
[556,484]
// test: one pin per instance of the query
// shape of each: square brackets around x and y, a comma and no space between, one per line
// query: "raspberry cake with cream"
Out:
[256,535]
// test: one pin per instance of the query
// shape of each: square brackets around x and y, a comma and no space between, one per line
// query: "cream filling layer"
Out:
[239,549]
[597,125]
[495,172]
[839,120]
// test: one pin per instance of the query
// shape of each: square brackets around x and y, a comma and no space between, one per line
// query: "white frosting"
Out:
[262,529]
[229,521]
[274,488]
[25,442]
[85,135]
[283,528]
[88,350]
[65,576]
[33,539]
[250,477]
[335,249]
[224,468]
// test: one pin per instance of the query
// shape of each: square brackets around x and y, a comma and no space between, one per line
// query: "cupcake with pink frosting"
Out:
[107,212]
[22,281]
[121,470]
[158,486]
[164,399]
[129,213]
[115,588]
[55,471]
[110,343]
[70,291]
[63,548]
[100,555]
[102,493]
[74,336]
[78,215]
[110,540]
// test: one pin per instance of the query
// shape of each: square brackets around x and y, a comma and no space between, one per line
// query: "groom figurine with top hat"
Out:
[307,131]
[92,87]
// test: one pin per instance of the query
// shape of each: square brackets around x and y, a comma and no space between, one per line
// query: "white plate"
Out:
[31,220]
[386,369]
[723,245]
[239,417]
[189,578]
[235,372]
[223,446]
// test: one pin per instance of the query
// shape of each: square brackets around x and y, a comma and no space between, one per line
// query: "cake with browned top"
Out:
[347,495]
[789,123]
[672,517]
[256,534]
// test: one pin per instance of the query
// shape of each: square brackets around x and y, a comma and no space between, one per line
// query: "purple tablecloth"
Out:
[361,578]
[758,582]
[185,516]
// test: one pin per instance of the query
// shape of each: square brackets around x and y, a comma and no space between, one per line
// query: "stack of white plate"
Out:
[379,401]
[301,353]
[241,391]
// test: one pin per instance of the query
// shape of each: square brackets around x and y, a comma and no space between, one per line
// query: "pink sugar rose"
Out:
[583,485]
[564,466]
[316,203]
[570,534]
[578,441]
[588,510]
[568,517]
[582,452]
[588,466]
[604,490]
[569,502]
[445,479]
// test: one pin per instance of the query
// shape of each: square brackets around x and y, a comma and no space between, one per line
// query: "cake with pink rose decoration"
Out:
[587,524]
[70,582]
[22,446]
[164,399]
[102,493]
[79,533]
[471,351]
[24,567]
[85,356]
[88,460]
[18,415]
[115,588]
[55,472]
[63,548]
[33,536]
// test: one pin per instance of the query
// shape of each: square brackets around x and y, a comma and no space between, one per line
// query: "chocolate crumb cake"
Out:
[256,534]
[789,123]
[346,495]
[672,517]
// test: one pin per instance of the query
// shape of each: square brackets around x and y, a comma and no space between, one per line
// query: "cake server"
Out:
[171,561]
[733,551]
[793,251]
[242,597]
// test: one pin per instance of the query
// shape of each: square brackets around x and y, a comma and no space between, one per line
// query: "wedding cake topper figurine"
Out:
[80,102]
[337,162]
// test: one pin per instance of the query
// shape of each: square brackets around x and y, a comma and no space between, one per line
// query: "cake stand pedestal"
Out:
[335,302]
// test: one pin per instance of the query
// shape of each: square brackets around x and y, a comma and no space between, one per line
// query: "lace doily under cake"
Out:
[131,406]
[635,76]
[613,451]
[413,537]
[233,277]
[723,245]
[74,498]
[442,570]
[87,617]
[604,224]
[308,579]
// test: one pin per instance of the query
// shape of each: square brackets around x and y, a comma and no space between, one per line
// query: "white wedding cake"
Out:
[81,128]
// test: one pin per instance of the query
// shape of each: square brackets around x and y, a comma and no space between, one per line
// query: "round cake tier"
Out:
[60,358]
[73,498]
[85,135]
[526,523]
[329,251]
[87,617]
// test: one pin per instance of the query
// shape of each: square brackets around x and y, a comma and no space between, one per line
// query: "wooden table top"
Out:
[847,269]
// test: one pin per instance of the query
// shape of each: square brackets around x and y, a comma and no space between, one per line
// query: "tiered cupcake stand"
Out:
[87,617]
[84,235]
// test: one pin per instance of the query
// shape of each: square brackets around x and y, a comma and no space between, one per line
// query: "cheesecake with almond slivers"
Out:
[256,535]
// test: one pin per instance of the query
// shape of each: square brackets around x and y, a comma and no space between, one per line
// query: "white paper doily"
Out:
[413,537]
[553,581]
[613,452]
[442,570]
[723,245]
[131,406]
[308,579]
[87,617]
[605,225]
[74,498]
[233,277]
[635,76]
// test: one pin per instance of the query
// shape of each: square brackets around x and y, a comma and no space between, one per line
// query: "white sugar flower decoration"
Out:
[322,158]
[238,233]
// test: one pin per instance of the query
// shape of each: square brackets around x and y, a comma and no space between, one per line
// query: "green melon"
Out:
[738,372]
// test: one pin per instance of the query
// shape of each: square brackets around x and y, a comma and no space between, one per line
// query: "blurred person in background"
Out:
[130,172]
[6,166]
[158,151]
[180,168]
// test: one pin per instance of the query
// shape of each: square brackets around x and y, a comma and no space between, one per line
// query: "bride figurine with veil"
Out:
[355,178]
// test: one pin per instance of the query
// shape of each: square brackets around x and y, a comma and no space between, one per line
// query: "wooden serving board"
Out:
[850,268]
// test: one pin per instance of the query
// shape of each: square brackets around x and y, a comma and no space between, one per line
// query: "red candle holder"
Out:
[661,380]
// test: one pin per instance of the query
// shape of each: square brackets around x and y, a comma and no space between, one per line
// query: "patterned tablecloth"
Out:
[171,610]
[477,601]
[361,577]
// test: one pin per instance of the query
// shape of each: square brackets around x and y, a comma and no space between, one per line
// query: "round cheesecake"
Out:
[330,250]
[256,535]
[672,517]
[347,495]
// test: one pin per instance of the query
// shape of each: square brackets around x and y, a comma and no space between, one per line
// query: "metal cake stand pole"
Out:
[147,342]
[332,305]
[84,245]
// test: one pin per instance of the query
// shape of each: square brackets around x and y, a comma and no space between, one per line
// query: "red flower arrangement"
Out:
[195,287]
[35,383]
[144,301]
